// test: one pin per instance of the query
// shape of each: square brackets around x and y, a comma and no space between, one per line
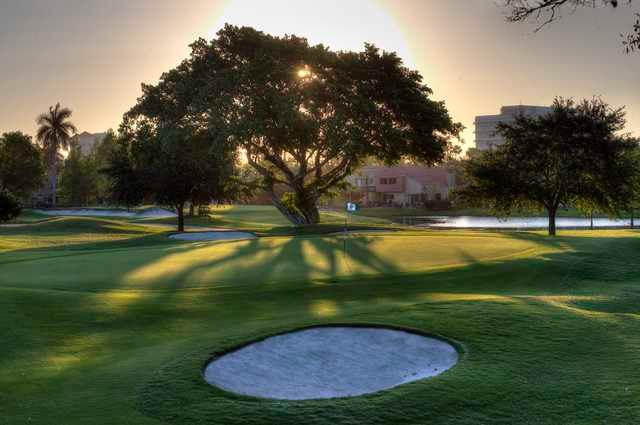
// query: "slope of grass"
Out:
[106,322]
[267,221]
[67,232]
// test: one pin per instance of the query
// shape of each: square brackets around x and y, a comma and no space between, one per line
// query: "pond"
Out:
[469,222]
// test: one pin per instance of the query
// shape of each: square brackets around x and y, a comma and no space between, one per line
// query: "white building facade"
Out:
[486,125]
[87,141]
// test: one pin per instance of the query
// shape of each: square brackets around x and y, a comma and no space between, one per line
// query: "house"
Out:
[406,185]
[486,125]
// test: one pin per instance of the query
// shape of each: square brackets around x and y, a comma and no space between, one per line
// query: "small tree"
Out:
[9,206]
[571,156]
[21,166]
[78,179]
[634,204]
[99,160]
[172,165]
[125,183]
[183,167]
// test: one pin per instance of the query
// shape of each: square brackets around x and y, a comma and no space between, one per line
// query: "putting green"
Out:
[272,260]
[104,322]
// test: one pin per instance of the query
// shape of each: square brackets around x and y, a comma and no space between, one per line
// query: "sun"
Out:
[338,24]
[304,73]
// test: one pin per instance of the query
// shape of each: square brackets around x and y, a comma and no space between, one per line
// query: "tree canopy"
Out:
[21,165]
[78,185]
[125,184]
[169,163]
[575,156]
[303,116]
[550,10]
[9,206]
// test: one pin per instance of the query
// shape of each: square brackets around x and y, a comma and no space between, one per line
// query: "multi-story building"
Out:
[87,141]
[400,185]
[486,125]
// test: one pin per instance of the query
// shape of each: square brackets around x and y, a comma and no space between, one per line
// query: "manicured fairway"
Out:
[111,322]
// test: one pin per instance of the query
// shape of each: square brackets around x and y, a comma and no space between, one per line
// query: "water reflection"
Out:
[513,222]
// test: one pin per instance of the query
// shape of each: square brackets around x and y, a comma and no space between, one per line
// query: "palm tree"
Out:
[54,133]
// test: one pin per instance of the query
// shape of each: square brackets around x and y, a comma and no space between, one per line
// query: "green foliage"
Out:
[305,116]
[171,165]
[9,206]
[21,166]
[573,156]
[78,186]
[99,156]
[125,184]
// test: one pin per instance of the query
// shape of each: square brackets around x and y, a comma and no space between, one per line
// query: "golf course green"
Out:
[110,321]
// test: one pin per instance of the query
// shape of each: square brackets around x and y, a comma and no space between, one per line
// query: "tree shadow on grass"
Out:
[490,306]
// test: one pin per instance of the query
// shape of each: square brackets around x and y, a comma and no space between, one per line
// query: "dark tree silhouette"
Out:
[575,155]
[172,166]
[21,167]
[304,116]
[125,184]
[9,206]
[54,133]
[548,11]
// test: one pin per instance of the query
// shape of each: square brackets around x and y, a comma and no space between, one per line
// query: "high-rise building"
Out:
[486,125]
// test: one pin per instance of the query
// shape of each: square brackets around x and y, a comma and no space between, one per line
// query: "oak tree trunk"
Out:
[305,209]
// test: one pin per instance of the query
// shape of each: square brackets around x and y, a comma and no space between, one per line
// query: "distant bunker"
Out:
[212,236]
[330,362]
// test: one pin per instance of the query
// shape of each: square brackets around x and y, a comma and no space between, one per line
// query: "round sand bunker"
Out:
[329,362]
[212,236]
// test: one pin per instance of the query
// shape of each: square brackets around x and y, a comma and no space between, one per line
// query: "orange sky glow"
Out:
[94,56]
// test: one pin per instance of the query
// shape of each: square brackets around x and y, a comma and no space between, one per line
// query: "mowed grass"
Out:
[267,221]
[109,322]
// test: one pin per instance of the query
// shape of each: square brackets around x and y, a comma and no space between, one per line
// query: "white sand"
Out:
[329,362]
[150,213]
[212,236]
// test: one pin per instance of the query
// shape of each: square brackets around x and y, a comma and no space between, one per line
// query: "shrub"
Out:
[9,206]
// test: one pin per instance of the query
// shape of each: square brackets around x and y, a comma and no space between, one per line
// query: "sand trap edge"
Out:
[216,354]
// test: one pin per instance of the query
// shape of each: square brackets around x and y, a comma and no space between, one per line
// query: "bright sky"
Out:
[92,55]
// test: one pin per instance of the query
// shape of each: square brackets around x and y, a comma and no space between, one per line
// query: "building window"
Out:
[390,180]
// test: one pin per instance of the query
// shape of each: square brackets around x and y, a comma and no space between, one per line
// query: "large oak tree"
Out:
[575,156]
[303,116]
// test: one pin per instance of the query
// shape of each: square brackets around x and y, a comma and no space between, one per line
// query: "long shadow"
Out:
[515,277]
[214,317]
